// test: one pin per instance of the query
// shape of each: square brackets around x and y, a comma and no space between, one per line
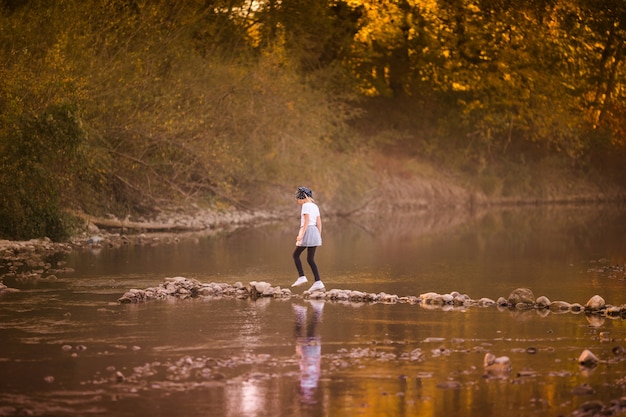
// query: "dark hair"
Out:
[303,193]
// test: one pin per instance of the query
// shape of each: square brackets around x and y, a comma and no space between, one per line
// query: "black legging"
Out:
[310,258]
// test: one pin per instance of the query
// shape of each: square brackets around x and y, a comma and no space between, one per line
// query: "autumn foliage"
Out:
[127,106]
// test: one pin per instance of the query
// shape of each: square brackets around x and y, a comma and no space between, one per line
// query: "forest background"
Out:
[132,107]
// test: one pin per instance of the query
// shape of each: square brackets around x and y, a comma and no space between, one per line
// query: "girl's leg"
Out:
[310,258]
[296,259]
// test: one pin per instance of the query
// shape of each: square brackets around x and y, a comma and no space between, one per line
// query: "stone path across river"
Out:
[520,298]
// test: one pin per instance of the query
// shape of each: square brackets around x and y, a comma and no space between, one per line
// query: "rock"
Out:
[206,291]
[486,302]
[388,298]
[521,296]
[258,288]
[127,298]
[357,295]
[560,306]
[459,299]
[119,377]
[488,359]
[491,359]
[588,359]
[576,307]
[447,298]
[315,295]
[613,311]
[339,295]
[170,288]
[595,303]
[411,299]
[496,366]
[416,354]
[502,302]
[543,302]
[431,298]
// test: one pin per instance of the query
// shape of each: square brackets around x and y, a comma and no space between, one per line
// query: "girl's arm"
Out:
[318,223]
[302,230]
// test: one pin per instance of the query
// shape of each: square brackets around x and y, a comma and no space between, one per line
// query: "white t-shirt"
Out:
[312,210]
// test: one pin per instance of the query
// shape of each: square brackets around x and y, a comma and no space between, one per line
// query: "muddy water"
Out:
[68,349]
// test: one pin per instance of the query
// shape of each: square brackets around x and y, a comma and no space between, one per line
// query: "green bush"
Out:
[40,156]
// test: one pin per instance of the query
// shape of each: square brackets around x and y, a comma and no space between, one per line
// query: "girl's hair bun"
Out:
[303,193]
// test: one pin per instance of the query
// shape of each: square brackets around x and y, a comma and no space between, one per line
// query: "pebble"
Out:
[588,359]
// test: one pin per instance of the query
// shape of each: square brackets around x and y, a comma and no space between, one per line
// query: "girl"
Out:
[309,237]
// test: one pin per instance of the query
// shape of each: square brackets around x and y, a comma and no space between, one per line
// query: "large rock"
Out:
[521,296]
[595,303]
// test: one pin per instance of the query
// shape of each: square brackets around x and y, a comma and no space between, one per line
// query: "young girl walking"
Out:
[309,238]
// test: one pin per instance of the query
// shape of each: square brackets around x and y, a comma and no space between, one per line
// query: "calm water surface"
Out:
[68,349]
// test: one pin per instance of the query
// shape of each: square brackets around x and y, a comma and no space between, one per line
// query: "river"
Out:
[69,349]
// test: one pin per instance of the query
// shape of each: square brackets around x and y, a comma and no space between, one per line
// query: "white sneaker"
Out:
[317,286]
[299,281]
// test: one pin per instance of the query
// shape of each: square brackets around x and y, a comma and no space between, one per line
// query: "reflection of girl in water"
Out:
[309,348]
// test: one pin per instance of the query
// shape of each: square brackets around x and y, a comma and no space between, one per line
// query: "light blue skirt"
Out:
[311,237]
